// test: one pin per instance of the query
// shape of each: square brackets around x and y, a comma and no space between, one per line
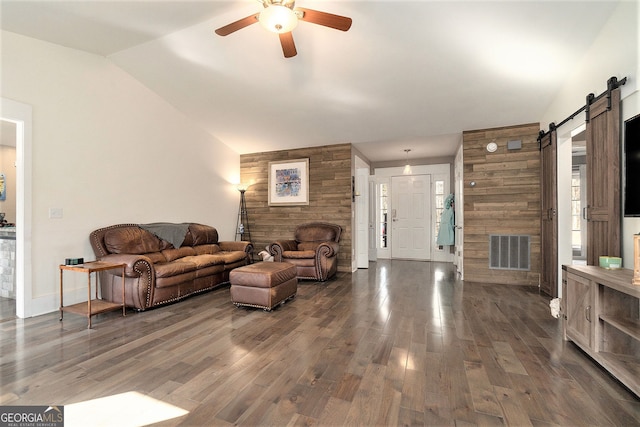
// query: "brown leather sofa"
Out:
[314,250]
[156,272]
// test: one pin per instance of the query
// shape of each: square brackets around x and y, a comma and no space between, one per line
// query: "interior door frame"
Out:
[21,115]
[458,258]
[361,202]
[581,171]
[549,210]
[384,175]
[373,219]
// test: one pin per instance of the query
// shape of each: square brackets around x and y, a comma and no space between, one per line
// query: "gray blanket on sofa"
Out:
[171,232]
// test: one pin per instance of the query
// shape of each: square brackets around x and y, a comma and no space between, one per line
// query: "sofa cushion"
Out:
[231,257]
[200,234]
[202,261]
[173,254]
[174,268]
[171,286]
[156,257]
[308,246]
[298,254]
[206,249]
[132,240]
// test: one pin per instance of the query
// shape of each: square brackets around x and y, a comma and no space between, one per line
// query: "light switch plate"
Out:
[55,213]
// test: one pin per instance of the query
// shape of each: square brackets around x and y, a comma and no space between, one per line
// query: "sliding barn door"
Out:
[603,176]
[549,207]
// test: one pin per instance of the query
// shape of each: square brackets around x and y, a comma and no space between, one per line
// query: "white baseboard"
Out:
[50,303]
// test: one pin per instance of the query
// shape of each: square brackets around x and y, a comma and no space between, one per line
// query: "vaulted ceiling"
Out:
[408,74]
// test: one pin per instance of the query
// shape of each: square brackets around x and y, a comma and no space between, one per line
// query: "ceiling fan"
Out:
[279,16]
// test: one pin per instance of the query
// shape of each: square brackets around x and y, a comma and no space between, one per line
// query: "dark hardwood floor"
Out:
[7,309]
[402,343]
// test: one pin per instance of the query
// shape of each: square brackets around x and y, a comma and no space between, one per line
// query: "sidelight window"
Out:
[438,197]
[383,225]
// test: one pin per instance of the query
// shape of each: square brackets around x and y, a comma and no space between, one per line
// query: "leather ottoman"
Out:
[263,285]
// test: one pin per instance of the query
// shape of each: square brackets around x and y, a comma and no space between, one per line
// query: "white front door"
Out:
[411,217]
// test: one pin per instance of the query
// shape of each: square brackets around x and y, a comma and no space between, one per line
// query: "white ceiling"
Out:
[408,74]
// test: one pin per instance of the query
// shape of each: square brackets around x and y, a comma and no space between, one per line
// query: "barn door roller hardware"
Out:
[612,84]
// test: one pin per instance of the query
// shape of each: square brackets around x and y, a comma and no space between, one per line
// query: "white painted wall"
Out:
[613,53]
[107,150]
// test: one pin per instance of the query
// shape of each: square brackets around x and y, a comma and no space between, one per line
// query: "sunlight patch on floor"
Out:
[131,409]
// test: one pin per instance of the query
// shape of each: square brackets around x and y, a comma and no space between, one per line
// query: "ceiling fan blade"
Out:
[288,46]
[326,19]
[238,25]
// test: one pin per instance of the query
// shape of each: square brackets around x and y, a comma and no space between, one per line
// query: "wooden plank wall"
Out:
[505,200]
[329,196]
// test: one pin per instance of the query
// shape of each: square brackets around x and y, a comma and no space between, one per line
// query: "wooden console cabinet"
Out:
[602,316]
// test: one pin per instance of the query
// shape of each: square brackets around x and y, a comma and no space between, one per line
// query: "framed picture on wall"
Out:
[289,183]
[3,187]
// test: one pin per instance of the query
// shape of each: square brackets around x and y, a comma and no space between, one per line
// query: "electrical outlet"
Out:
[55,213]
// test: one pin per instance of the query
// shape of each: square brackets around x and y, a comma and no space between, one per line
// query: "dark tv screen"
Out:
[632,166]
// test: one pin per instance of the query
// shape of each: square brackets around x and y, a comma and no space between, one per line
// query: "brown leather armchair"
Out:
[314,250]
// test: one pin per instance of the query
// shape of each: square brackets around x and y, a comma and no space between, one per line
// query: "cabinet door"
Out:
[579,305]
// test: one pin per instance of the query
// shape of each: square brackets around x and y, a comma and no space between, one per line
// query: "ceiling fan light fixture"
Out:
[278,19]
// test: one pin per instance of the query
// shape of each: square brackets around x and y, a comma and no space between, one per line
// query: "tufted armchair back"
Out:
[313,250]
[317,232]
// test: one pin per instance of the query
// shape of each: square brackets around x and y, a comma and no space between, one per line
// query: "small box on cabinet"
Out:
[610,262]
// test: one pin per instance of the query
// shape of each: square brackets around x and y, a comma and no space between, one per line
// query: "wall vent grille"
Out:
[509,252]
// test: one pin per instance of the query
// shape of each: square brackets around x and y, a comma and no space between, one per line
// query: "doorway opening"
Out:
[360,197]
[406,212]
[579,196]
[8,140]
[21,115]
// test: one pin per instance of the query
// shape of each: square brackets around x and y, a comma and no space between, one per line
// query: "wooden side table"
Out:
[95,305]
